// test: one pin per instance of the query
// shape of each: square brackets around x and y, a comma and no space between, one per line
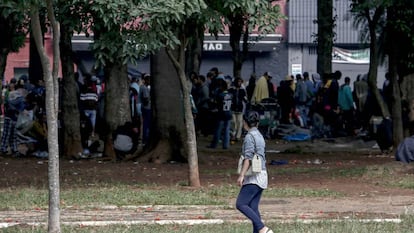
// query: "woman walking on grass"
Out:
[252,186]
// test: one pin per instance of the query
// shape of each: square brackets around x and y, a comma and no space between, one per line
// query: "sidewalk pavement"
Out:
[378,208]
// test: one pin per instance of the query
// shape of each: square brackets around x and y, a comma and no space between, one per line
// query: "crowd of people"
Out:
[25,128]
[315,102]
[24,116]
[128,136]
[311,101]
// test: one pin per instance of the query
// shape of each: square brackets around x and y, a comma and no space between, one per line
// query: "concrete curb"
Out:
[198,222]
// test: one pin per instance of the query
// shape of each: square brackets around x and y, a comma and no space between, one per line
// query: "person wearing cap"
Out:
[252,186]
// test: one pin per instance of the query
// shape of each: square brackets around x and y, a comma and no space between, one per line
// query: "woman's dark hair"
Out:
[252,118]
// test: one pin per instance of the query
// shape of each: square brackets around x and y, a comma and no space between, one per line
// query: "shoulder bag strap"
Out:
[255,147]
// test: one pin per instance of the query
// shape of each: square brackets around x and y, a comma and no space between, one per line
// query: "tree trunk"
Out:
[167,133]
[194,50]
[72,145]
[407,97]
[117,110]
[236,29]
[191,146]
[325,36]
[396,111]
[3,61]
[35,65]
[373,70]
[52,108]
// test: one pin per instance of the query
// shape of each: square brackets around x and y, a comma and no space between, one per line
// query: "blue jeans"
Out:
[248,204]
[304,113]
[91,115]
[222,125]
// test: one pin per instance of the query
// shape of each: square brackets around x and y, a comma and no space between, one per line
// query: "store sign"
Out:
[212,46]
[357,56]
[296,69]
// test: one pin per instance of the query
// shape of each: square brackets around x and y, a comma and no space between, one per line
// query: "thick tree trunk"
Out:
[236,29]
[373,71]
[325,36]
[396,111]
[407,97]
[70,109]
[35,65]
[194,50]
[167,133]
[117,110]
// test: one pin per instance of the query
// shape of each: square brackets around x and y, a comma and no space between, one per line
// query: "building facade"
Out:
[350,54]
[290,50]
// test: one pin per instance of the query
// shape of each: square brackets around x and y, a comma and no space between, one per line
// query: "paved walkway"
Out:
[366,208]
[380,208]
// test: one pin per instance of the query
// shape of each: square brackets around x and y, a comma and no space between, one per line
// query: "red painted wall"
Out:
[21,58]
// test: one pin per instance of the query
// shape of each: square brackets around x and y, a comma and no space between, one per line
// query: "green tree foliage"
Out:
[242,18]
[13,28]
[403,31]
[132,29]
[390,33]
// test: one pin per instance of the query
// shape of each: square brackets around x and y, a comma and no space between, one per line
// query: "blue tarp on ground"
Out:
[297,137]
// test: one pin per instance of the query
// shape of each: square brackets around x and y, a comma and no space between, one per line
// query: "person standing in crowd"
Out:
[224,102]
[14,103]
[212,79]
[201,99]
[329,102]
[261,91]
[252,186]
[317,82]
[387,91]
[346,105]
[145,99]
[134,103]
[286,100]
[89,102]
[271,87]
[301,100]
[251,86]
[237,107]
[310,86]
[361,94]
[334,88]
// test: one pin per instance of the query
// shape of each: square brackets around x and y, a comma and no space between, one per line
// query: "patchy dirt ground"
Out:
[362,174]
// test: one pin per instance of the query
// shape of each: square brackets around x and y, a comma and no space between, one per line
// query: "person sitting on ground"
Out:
[38,131]
[125,139]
